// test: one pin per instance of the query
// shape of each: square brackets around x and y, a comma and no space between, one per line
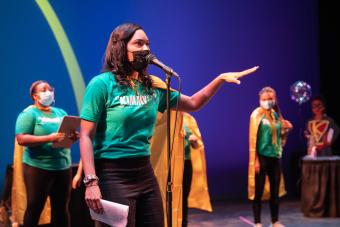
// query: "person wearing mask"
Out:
[267,135]
[46,170]
[118,119]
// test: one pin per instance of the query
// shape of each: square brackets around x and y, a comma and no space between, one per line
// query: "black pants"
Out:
[187,177]
[271,167]
[42,183]
[131,181]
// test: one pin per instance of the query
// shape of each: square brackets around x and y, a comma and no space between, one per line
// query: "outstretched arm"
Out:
[202,97]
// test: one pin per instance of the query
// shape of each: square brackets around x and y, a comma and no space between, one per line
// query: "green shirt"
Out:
[36,122]
[186,142]
[264,143]
[125,117]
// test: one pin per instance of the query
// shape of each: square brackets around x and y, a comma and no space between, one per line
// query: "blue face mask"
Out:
[267,104]
[46,98]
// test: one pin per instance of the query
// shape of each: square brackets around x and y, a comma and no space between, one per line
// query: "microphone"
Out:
[151,59]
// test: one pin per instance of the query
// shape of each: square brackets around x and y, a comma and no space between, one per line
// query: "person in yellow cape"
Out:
[195,185]
[18,191]
[18,194]
[46,170]
[267,135]
[118,115]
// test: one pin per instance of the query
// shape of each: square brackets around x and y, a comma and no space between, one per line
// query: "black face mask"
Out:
[139,62]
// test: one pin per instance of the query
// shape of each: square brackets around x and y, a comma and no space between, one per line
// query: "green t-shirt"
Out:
[125,117]
[264,143]
[36,122]
[186,142]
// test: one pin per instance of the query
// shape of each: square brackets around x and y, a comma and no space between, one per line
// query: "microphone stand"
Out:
[169,181]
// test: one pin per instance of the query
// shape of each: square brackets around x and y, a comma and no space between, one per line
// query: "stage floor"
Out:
[237,214]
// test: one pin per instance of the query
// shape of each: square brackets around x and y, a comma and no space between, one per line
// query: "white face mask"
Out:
[46,98]
[267,104]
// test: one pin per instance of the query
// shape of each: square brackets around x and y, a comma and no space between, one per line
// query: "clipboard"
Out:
[68,125]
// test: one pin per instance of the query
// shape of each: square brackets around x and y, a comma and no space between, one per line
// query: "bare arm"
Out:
[32,140]
[92,193]
[77,178]
[202,97]
[87,131]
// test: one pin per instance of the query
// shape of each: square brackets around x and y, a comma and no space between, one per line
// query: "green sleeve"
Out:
[25,123]
[94,100]
[63,112]
[174,96]
[60,111]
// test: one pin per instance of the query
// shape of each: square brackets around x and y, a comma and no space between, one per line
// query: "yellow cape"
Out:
[199,197]
[159,158]
[18,198]
[255,120]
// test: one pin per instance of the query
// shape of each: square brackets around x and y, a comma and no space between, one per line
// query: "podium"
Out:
[320,186]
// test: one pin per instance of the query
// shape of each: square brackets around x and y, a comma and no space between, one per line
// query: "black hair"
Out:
[116,60]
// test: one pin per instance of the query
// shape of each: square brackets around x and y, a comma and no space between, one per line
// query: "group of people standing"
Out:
[118,118]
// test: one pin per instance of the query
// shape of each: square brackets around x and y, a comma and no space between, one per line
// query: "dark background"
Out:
[329,59]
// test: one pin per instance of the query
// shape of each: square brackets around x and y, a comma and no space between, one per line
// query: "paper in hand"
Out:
[115,214]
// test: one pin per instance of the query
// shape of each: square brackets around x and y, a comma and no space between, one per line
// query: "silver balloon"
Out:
[300,92]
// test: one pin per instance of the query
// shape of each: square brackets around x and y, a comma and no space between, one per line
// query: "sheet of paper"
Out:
[115,214]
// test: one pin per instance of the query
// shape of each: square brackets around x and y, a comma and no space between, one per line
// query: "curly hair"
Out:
[116,60]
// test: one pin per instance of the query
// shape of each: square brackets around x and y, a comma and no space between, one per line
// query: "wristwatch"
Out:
[89,178]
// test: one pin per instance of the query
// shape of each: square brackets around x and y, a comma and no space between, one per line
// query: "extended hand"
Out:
[233,77]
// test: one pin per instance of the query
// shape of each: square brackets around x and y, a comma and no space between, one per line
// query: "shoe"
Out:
[276,224]
[258,225]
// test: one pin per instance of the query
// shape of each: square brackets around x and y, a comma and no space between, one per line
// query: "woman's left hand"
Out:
[193,141]
[233,77]
[286,125]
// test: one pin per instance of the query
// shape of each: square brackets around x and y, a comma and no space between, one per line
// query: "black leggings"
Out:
[131,181]
[271,167]
[42,183]
[187,177]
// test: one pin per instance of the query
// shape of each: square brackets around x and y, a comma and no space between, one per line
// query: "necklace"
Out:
[134,86]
